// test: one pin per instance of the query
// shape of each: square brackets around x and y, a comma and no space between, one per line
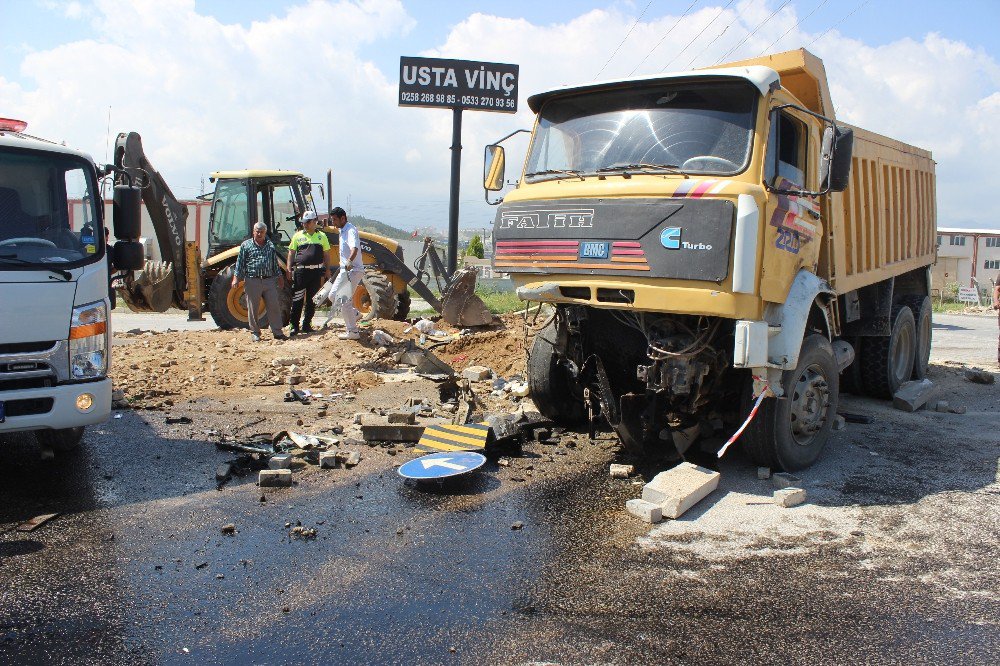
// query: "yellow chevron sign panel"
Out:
[451,437]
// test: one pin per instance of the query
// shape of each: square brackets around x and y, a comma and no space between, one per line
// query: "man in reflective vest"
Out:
[308,268]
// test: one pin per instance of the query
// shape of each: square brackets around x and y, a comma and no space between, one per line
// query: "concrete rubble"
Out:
[785,480]
[621,471]
[789,497]
[274,478]
[680,488]
[643,510]
[477,373]
[280,461]
[913,395]
[977,376]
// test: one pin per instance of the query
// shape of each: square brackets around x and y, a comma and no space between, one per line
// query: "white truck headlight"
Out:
[88,341]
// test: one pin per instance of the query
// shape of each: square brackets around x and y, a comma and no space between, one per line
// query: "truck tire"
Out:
[60,441]
[129,255]
[549,383]
[229,306]
[375,297]
[887,360]
[920,306]
[789,433]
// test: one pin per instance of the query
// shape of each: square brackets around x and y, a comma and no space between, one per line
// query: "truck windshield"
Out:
[691,127]
[48,216]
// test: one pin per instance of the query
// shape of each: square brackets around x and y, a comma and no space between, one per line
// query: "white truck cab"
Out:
[55,325]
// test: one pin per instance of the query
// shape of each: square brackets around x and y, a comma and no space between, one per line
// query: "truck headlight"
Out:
[88,341]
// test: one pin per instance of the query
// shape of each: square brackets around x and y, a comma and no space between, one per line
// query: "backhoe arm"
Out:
[169,216]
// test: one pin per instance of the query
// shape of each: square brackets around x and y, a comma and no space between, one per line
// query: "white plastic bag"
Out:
[323,293]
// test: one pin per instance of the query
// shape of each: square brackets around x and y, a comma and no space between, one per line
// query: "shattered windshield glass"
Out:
[689,127]
[48,215]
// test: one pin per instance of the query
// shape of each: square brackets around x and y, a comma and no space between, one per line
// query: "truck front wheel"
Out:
[789,433]
[549,383]
[60,441]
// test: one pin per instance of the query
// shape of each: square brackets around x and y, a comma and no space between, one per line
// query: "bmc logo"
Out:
[670,238]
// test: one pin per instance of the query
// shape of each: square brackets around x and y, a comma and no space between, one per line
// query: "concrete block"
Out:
[622,471]
[763,472]
[274,478]
[785,480]
[789,497]
[942,406]
[402,417]
[329,459]
[391,432]
[647,511]
[280,461]
[683,439]
[677,490]
[977,376]
[911,396]
[477,373]
[542,434]
[350,458]
[839,423]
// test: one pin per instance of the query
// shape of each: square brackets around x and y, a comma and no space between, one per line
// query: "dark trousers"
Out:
[305,283]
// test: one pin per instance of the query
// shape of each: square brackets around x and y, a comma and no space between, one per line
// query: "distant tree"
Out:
[476,248]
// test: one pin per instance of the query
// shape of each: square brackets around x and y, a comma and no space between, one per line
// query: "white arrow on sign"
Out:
[441,462]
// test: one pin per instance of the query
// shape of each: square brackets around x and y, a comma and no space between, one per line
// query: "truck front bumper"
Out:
[63,411]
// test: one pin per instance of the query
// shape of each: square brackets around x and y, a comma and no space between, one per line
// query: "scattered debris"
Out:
[977,376]
[223,472]
[178,420]
[851,417]
[763,472]
[280,461]
[36,522]
[299,532]
[839,423]
[477,373]
[391,432]
[517,525]
[647,511]
[424,362]
[913,395]
[683,438]
[942,406]
[957,410]
[274,478]
[329,459]
[677,490]
[622,471]
[228,528]
[519,389]
[789,497]
[785,480]
[409,417]
[380,337]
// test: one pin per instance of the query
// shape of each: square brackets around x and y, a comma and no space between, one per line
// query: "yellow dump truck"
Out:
[715,240]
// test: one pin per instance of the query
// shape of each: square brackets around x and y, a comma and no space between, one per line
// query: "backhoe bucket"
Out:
[459,304]
[152,288]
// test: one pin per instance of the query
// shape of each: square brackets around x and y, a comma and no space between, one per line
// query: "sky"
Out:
[311,85]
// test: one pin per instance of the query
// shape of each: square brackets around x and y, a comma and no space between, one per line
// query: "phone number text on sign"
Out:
[466,84]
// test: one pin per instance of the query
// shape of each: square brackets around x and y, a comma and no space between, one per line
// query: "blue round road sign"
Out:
[442,465]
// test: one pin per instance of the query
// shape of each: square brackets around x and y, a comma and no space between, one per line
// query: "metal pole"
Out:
[456,168]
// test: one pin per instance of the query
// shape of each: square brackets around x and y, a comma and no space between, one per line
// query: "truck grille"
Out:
[26,347]
[28,407]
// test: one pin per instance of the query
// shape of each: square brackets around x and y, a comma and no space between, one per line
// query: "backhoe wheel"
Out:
[550,384]
[402,305]
[60,441]
[887,360]
[228,305]
[789,433]
[921,308]
[374,298]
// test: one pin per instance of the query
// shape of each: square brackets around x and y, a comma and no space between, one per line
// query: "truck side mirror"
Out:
[493,169]
[127,212]
[835,166]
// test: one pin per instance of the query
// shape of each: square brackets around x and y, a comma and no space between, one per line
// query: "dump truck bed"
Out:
[885,223]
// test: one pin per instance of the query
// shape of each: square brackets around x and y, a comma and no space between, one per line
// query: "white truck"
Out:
[55,327]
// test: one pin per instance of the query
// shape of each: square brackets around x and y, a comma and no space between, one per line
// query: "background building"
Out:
[965,255]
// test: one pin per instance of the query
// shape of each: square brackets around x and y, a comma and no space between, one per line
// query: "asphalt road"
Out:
[893,560]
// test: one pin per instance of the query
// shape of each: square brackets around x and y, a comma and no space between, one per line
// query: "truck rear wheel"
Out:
[887,360]
[228,305]
[921,308]
[789,433]
[60,441]
[549,383]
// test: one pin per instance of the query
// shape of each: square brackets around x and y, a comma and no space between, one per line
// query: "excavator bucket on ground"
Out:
[460,306]
[151,289]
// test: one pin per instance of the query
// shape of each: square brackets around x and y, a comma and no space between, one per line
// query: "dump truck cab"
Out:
[690,230]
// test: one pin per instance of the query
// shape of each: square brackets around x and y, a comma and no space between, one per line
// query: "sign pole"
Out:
[456,174]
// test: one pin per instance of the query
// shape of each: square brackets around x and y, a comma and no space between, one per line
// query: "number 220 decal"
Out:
[788,241]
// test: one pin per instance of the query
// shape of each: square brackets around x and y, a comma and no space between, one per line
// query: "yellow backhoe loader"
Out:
[279,199]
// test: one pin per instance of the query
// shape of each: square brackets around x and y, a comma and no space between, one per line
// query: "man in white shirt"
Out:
[351,268]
